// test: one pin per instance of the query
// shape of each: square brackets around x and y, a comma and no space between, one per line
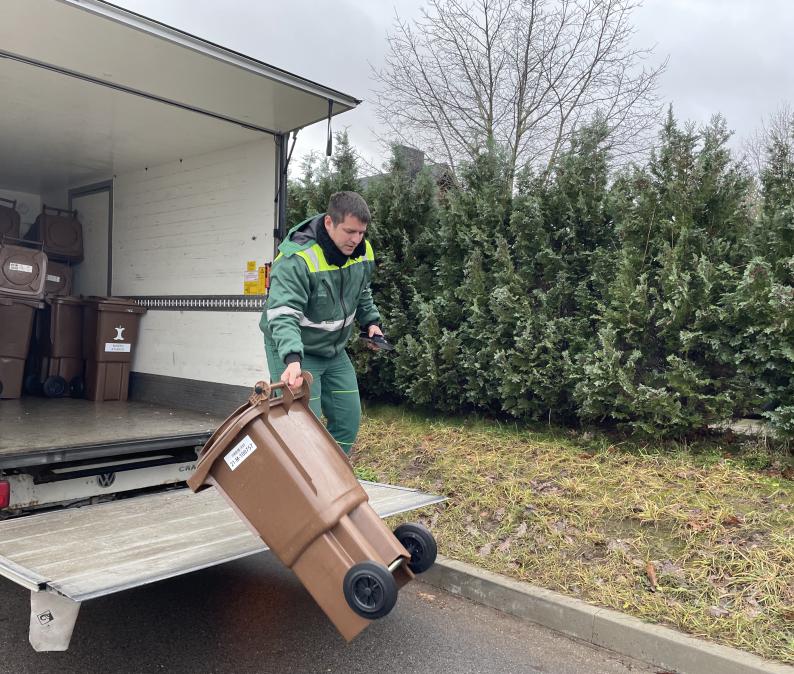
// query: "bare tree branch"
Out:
[523,73]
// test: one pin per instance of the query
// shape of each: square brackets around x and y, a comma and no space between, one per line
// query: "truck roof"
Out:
[122,90]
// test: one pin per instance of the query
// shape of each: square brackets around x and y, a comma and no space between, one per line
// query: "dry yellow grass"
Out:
[698,542]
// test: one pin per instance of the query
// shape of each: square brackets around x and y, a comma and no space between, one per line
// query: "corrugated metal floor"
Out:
[97,550]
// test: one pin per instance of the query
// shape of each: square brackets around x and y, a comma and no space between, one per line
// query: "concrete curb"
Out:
[654,644]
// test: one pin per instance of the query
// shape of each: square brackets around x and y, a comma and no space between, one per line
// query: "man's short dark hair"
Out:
[342,204]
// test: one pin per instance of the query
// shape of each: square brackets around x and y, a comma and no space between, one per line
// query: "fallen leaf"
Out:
[521,530]
[717,612]
[732,521]
[426,596]
[650,571]
[504,546]
[585,455]
[788,473]
[499,515]
[485,550]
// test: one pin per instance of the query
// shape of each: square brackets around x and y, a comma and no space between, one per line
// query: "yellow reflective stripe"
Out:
[322,263]
[315,258]
[311,260]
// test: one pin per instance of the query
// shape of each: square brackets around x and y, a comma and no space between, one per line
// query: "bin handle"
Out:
[29,243]
[13,202]
[263,391]
[70,211]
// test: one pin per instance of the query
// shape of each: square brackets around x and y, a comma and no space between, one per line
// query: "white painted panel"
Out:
[188,227]
[28,206]
[134,52]
[91,275]
[220,347]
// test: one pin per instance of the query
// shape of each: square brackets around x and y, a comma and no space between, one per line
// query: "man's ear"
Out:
[328,222]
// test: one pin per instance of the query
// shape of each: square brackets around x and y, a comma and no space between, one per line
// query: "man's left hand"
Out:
[371,332]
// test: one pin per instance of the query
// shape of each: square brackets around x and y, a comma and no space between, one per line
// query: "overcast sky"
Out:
[728,56]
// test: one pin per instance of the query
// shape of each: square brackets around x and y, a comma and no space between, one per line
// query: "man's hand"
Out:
[371,331]
[292,375]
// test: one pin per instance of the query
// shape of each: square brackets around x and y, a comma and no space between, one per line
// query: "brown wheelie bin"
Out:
[287,478]
[16,324]
[60,233]
[9,218]
[23,270]
[59,279]
[110,335]
[60,347]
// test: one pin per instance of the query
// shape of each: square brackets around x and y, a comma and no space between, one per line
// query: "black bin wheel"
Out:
[77,387]
[32,385]
[370,590]
[55,387]
[420,543]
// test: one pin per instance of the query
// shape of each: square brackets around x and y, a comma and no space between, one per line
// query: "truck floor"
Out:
[35,431]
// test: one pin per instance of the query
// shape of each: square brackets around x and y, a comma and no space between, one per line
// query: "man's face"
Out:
[347,234]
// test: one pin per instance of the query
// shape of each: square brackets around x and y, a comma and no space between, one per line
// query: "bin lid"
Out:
[63,299]
[116,304]
[7,301]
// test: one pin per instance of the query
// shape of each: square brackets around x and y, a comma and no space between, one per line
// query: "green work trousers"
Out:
[334,392]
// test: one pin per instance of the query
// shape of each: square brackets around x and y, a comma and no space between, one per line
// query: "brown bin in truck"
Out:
[59,278]
[60,346]
[288,479]
[110,335]
[23,271]
[60,233]
[16,323]
[9,218]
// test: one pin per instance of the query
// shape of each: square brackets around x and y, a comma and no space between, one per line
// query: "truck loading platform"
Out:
[37,431]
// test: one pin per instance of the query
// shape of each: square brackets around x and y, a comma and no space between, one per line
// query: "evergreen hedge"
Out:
[659,298]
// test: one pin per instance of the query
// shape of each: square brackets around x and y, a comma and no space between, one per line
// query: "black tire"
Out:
[420,543]
[32,385]
[54,387]
[77,387]
[370,590]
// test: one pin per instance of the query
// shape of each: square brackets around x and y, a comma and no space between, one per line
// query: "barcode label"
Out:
[110,347]
[54,279]
[241,451]
[15,266]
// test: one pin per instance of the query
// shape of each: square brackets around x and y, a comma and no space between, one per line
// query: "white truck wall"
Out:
[28,205]
[187,228]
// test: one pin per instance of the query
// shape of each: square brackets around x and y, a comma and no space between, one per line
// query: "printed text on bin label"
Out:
[241,451]
[110,347]
[53,279]
[15,266]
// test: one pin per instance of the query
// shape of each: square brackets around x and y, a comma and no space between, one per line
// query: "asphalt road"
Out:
[254,616]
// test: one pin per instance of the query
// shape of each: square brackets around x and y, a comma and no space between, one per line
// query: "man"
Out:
[319,285]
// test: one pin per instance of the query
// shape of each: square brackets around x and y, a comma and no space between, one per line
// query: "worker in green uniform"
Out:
[319,285]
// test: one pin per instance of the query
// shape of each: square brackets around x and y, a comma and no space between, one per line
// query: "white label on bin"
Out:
[54,279]
[15,266]
[110,347]
[241,451]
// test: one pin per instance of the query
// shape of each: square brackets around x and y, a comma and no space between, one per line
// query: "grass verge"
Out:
[696,538]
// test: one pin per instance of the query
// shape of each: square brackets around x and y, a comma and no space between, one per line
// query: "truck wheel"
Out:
[54,387]
[370,590]
[418,540]
[77,387]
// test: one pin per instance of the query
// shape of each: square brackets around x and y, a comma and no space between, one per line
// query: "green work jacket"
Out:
[312,304]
